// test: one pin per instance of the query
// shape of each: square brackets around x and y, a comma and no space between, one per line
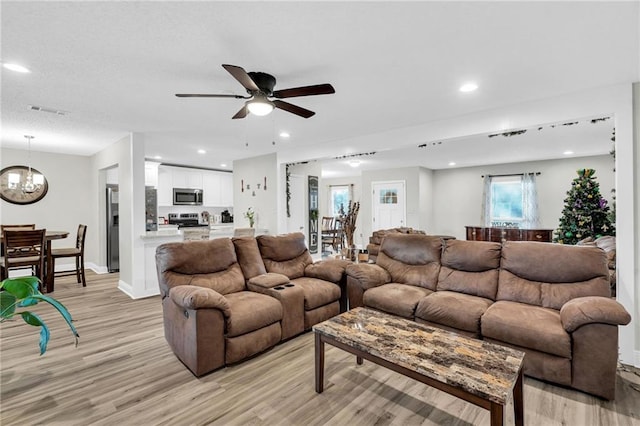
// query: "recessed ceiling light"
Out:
[157,157]
[223,165]
[16,67]
[468,87]
[568,152]
[452,163]
[354,163]
[202,151]
[284,135]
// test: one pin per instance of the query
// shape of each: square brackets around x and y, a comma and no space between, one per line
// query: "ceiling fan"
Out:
[260,86]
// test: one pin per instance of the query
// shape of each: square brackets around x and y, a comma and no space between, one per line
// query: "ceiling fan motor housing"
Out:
[265,82]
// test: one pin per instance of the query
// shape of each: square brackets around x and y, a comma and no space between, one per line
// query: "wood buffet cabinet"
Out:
[500,235]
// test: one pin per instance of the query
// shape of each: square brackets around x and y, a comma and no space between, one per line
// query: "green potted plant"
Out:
[23,292]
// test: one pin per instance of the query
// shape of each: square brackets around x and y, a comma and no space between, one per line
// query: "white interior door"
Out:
[389,205]
[297,206]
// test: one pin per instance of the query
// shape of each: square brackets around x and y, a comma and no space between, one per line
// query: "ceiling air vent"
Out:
[49,110]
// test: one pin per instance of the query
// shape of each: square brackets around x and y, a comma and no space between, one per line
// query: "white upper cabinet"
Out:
[226,189]
[165,186]
[186,178]
[151,173]
[211,188]
[217,187]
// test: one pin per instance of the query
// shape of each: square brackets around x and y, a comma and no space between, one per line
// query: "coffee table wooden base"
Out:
[497,410]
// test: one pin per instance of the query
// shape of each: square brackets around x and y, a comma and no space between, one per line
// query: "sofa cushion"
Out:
[470,267]
[549,275]
[395,298]
[456,310]
[249,258]
[317,292]
[211,264]
[251,311]
[411,259]
[285,254]
[526,326]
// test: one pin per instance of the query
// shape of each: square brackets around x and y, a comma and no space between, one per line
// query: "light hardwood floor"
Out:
[123,373]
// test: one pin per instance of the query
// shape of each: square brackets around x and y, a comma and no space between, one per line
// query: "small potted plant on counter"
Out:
[250,214]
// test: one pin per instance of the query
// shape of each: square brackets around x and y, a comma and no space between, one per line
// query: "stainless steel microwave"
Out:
[187,197]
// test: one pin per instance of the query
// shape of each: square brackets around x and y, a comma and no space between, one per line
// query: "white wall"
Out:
[457,193]
[128,155]
[252,171]
[66,204]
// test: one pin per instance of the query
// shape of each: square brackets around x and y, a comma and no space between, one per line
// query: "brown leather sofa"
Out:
[377,236]
[548,300]
[225,300]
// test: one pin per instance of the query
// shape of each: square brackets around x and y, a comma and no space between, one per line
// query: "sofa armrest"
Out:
[194,297]
[329,270]
[368,275]
[592,309]
[268,280]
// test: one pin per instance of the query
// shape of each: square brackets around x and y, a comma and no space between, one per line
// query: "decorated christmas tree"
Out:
[585,212]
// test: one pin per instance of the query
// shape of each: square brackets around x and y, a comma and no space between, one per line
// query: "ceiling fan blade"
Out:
[196,95]
[242,113]
[241,75]
[294,109]
[318,89]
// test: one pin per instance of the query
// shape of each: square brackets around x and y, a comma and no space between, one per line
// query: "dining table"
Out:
[47,278]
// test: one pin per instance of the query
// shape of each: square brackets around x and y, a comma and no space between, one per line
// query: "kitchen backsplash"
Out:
[163,211]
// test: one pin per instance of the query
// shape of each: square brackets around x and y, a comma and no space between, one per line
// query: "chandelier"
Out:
[29,182]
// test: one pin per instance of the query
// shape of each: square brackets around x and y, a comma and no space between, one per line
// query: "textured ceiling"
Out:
[115,67]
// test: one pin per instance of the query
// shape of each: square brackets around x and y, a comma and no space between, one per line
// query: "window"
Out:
[389,196]
[511,201]
[506,201]
[339,195]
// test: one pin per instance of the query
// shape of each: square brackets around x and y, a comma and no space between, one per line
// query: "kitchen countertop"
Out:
[215,231]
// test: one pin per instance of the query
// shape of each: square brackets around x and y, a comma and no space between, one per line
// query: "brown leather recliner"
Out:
[319,283]
[210,318]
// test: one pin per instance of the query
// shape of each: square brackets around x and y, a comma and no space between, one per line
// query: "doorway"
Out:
[389,205]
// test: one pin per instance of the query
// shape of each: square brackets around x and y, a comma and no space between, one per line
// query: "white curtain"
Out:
[486,202]
[530,217]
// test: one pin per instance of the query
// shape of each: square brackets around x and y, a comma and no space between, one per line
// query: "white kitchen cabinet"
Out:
[165,186]
[186,178]
[226,189]
[217,187]
[151,173]
[211,188]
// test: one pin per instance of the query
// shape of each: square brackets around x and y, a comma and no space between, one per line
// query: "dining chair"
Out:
[77,252]
[23,249]
[15,227]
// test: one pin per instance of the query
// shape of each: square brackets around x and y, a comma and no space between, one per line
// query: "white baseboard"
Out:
[64,267]
[636,360]
[128,290]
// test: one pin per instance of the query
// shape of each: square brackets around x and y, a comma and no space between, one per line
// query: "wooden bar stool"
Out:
[77,252]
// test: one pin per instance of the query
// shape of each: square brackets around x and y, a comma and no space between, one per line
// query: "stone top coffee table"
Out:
[479,372]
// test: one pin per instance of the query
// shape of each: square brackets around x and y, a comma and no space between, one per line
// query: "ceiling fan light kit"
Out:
[260,106]
[259,86]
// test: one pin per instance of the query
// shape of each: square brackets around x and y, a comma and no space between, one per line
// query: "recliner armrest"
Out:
[368,275]
[592,309]
[194,297]
[329,270]
[268,280]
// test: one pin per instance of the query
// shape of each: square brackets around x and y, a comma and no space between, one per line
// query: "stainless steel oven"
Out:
[187,197]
